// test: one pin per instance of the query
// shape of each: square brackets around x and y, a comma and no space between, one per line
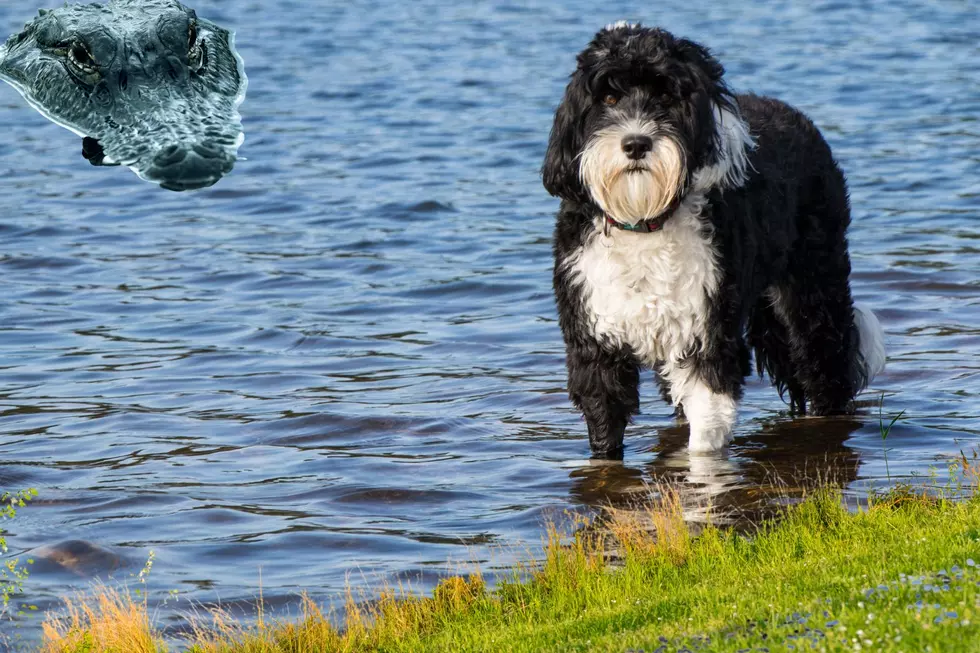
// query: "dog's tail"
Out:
[869,355]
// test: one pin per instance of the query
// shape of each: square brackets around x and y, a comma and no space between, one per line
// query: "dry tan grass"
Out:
[656,528]
[312,633]
[111,621]
[970,468]
[108,622]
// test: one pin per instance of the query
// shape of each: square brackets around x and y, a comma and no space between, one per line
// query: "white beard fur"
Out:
[630,197]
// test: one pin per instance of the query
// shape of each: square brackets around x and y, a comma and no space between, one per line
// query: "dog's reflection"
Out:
[778,463]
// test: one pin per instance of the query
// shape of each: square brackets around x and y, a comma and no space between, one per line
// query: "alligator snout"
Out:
[181,166]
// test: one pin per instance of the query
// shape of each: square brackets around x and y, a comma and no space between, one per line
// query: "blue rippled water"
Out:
[342,363]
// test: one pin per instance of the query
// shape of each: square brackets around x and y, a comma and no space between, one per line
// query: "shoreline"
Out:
[898,574]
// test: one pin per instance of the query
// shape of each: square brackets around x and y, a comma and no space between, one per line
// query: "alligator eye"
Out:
[196,54]
[81,62]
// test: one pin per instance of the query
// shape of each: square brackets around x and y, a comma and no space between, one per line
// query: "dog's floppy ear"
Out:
[707,92]
[560,170]
[701,56]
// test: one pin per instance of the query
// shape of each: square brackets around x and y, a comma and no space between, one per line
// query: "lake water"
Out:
[342,363]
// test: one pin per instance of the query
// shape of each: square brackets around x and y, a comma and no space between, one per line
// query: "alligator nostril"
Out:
[123,80]
[207,149]
[636,146]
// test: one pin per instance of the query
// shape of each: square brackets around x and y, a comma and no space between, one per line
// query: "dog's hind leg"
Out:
[819,324]
[835,348]
[769,337]
[605,387]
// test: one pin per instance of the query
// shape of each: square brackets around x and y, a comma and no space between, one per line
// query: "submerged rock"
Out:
[79,557]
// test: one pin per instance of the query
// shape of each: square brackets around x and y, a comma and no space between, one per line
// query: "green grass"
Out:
[897,575]
[813,569]
[12,573]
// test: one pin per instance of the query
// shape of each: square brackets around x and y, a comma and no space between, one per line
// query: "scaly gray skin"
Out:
[146,83]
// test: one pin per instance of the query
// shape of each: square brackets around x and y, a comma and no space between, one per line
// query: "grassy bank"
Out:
[897,575]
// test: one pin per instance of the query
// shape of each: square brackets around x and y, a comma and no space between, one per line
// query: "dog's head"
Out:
[645,119]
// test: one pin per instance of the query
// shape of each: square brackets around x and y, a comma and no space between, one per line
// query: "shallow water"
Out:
[342,363]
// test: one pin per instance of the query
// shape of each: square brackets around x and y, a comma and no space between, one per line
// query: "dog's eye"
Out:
[610,100]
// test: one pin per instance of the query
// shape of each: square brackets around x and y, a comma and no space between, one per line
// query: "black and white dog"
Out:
[695,225]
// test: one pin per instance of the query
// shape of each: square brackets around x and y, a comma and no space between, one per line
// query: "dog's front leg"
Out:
[605,387]
[711,416]
[708,389]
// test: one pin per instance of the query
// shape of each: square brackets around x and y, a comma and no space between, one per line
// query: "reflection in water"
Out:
[777,463]
[146,83]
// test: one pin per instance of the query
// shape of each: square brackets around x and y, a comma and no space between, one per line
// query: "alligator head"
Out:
[146,83]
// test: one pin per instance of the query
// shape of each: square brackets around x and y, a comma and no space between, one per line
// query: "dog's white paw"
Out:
[711,417]
[706,440]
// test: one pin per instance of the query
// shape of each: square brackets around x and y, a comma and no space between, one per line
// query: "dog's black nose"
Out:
[636,146]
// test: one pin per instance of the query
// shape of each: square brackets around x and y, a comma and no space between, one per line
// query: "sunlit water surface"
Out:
[342,363]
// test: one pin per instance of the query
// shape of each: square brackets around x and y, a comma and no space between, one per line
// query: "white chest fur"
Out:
[649,291]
